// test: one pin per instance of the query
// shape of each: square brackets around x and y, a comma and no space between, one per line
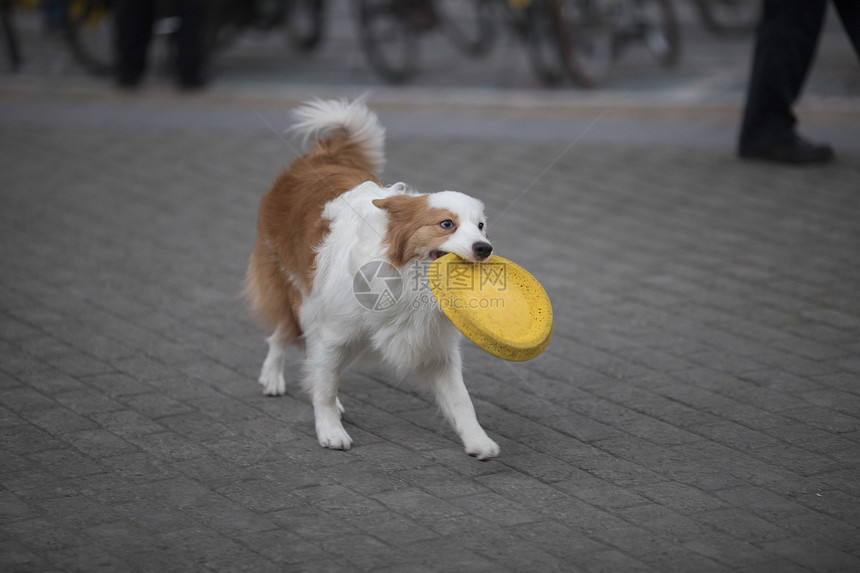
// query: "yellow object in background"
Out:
[496,304]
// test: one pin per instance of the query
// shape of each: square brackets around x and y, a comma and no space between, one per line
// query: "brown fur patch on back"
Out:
[290,228]
[413,227]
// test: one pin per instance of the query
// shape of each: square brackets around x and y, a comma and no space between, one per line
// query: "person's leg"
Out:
[190,53]
[849,13]
[55,14]
[785,44]
[133,32]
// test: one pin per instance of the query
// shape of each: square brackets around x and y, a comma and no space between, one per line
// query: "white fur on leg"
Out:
[322,366]
[454,401]
[272,374]
[330,431]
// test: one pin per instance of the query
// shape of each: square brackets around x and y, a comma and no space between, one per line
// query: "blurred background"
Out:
[680,53]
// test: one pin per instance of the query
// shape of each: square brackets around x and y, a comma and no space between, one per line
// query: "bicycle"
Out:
[304,20]
[89,34]
[90,27]
[537,25]
[729,16]
[592,34]
[389,31]
[10,35]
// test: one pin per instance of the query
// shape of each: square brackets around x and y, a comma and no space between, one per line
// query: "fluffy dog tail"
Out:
[350,126]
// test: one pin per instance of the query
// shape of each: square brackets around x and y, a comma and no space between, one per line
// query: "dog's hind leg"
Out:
[454,401]
[272,374]
[323,364]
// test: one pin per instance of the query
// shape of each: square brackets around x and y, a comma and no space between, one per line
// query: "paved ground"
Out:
[697,409]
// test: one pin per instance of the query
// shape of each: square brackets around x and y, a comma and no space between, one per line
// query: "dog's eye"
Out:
[447,224]
[480,226]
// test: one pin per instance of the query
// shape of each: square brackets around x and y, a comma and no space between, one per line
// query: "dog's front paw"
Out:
[334,438]
[483,448]
[273,384]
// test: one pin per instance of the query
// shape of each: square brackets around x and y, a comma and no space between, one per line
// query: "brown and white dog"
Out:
[337,269]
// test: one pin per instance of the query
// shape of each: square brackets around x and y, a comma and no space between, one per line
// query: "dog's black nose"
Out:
[482,250]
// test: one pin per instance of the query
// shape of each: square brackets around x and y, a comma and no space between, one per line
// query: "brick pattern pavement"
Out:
[697,409]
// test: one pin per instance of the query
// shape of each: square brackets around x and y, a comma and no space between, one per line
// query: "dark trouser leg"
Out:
[189,43]
[132,36]
[849,13]
[786,39]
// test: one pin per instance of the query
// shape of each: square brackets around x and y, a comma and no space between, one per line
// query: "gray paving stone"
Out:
[25,438]
[612,560]
[495,508]
[428,554]
[89,558]
[814,556]
[418,505]
[734,553]
[680,497]
[59,421]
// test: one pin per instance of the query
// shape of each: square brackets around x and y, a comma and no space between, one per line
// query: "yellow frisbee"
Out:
[496,304]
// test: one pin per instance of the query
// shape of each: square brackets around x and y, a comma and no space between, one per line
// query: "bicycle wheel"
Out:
[587,39]
[224,22]
[729,16]
[540,28]
[8,31]
[89,33]
[657,26]
[305,23]
[468,24]
[389,42]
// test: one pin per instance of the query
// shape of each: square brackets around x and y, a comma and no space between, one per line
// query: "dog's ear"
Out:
[406,215]
[381,203]
[400,204]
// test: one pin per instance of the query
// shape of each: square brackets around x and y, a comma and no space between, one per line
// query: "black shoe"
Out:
[798,151]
